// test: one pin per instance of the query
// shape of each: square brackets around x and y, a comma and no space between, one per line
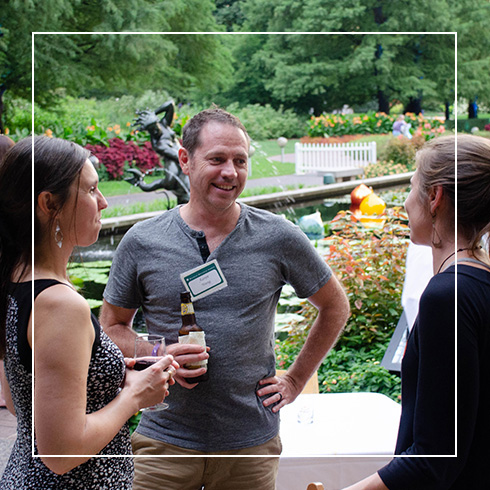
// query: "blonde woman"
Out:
[460,255]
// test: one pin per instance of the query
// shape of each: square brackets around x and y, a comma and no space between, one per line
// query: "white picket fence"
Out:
[321,158]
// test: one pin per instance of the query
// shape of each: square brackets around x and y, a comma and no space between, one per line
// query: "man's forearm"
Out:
[123,336]
[118,325]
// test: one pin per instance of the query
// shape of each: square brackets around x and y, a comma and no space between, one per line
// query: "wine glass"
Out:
[145,358]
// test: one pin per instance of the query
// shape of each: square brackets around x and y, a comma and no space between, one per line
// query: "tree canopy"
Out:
[369,51]
[99,63]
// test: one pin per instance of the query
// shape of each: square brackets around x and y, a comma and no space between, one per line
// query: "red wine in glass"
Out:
[142,364]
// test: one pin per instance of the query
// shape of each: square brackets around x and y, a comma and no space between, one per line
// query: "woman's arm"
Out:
[63,339]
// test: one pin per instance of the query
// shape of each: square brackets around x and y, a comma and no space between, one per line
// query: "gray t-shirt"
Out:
[262,254]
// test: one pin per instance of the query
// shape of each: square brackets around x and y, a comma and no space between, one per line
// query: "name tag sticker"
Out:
[204,280]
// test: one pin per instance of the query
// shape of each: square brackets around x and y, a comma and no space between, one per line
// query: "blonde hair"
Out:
[436,166]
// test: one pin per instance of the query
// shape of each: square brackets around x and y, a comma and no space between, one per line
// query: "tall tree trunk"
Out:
[446,105]
[414,105]
[383,102]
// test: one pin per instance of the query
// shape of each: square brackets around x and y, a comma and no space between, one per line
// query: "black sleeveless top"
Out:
[105,375]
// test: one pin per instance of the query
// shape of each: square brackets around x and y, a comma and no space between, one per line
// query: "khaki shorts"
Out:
[220,472]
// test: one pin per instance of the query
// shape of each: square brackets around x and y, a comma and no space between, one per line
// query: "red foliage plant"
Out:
[118,153]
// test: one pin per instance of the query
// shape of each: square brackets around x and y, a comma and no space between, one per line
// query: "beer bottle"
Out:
[191,333]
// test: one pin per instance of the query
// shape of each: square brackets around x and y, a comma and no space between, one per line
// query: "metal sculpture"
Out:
[166,144]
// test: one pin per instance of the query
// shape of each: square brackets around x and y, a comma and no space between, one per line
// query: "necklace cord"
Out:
[449,256]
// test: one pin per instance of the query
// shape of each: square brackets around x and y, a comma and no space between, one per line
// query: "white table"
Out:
[351,436]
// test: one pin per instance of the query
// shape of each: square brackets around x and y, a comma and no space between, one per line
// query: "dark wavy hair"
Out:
[57,164]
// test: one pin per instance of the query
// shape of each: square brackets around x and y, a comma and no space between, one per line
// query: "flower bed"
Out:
[328,125]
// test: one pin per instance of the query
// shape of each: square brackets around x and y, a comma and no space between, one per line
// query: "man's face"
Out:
[218,168]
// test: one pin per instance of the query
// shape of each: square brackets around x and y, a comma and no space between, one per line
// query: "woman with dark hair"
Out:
[83,393]
[460,258]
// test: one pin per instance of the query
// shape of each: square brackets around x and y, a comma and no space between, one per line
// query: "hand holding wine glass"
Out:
[149,350]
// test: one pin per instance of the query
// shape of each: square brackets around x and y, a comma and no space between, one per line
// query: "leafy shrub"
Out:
[265,122]
[348,371]
[120,154]
[398,156]
[370,264]
[17,117]
[108,112]
[401,150]
[383,168]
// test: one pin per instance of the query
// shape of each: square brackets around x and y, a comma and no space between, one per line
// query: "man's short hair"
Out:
[192,129]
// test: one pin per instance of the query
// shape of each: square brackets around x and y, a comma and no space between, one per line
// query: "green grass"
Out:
[137,208]
[380,139]
[121,187]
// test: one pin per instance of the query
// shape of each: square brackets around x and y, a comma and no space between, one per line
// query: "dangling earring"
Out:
[58,235]
[436,238]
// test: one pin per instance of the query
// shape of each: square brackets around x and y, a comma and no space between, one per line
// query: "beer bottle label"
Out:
[187,309]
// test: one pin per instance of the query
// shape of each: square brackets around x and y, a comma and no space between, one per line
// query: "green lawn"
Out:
[119,187]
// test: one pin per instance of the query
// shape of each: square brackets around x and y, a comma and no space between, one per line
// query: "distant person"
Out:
[236,411]
[83,393]
[402,128]
[427,425]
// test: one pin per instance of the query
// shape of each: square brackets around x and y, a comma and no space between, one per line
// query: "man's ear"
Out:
[47,204]
[436,194]
[184,160]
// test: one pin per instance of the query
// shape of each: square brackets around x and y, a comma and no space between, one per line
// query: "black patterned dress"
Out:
[106,372]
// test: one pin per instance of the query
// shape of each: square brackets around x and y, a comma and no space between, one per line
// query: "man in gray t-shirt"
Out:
[237,410]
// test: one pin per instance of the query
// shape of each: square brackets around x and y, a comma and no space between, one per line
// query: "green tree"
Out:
[229,13]
[326,71]
[472,22]
[100,63]
[116,64]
